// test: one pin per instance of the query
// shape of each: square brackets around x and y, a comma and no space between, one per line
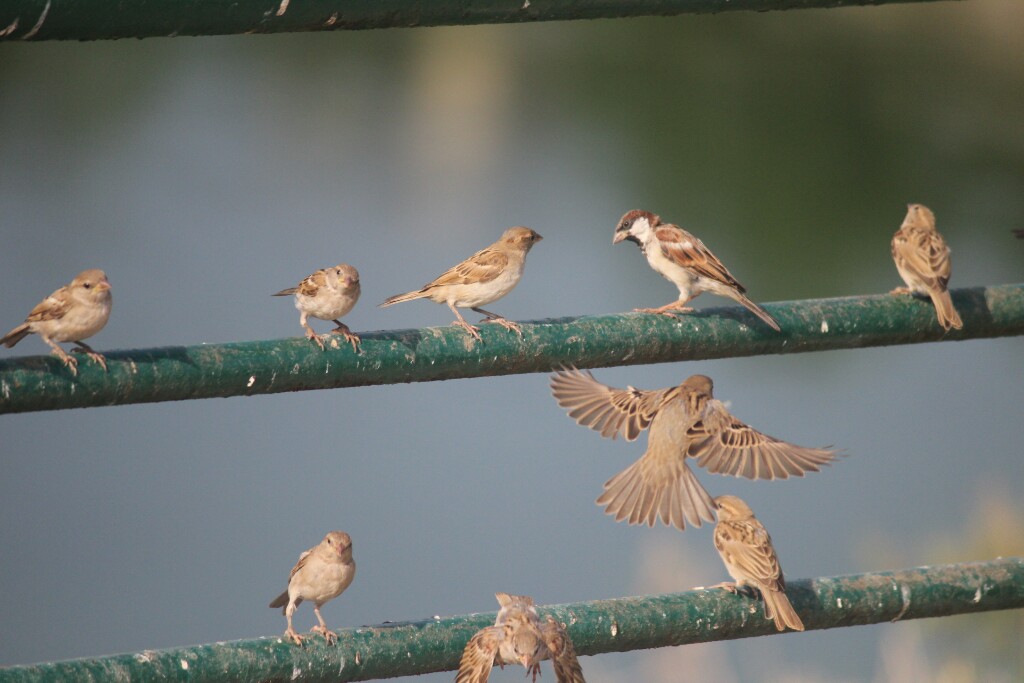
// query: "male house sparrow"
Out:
[321,574]
[682,259]
[327,294]
[76,311]
[922,258]
[484,277]
[685,421]
[749,557]
[519,636]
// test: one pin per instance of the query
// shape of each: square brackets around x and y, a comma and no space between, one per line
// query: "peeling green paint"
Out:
[179,373]
[697,616]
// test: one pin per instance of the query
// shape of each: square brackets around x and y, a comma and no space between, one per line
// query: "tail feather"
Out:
[778,608]
[757,310]
[286,292]
[280,601]
[399,298]
[944,310]
[15,335]
[635,496]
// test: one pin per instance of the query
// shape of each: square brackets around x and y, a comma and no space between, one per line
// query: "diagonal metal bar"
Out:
[104,19]
[619,625]
[390,357]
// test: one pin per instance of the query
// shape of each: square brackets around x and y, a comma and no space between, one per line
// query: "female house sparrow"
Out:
[922,258]
[484,277]
[519,636]
[76,311]
[683,259]
[321,574]
[327,294]
[685,421]
[749,557]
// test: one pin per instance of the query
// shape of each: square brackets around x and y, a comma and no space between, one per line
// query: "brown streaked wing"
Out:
[52,307]
[689,252]
[478,657]
[312,284]
[724,445]
[301,563]
[562,653]
[747,546]
[606,409]
[925,254]
[483,266]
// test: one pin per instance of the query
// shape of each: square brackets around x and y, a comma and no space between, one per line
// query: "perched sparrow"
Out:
[484,277]
[922,258]
[76,311]
[519,637]
[746,549]
[685,422]
[321,574]
[682,259]
[327,294]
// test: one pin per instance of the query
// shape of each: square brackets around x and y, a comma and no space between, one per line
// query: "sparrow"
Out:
[749,557]
[327,294]
[685,421]
[484,277]
[682,259]
[519,637]
[321,574]
[922,259]
[76,311]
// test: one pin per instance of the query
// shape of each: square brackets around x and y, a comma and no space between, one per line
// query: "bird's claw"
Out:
[330,636]
[473,330]
[294,637]
[507,324]
[313,336]
[900,290]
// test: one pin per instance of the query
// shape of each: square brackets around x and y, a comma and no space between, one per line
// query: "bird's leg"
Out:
[69,361]
[350,337]
[461,322]
[900,290]
[330,636]
[500,319]
[727,585]
[290,633]
[534,671]
[310,334]
[87,350]
[670,309]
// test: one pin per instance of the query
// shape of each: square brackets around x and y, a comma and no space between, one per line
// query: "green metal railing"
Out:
[619,625]
[264,367]
[103,19]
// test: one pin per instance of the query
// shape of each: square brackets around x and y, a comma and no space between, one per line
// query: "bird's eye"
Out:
[87,285]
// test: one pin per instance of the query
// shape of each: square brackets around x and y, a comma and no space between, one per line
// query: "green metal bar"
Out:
[104,19]
[619,625]
[265,367]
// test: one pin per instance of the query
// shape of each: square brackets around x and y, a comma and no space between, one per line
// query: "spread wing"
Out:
[605,409]
[483,266]
[747,546]
[52,307]
[561,652]
[724,445]
[924,254]
[689,252]
[478,657]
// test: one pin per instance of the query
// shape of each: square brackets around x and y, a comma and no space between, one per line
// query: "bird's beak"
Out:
[619,236]
[103,284]
[525,659]
[537,238]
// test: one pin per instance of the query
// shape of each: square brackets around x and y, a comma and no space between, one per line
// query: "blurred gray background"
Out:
[203,174]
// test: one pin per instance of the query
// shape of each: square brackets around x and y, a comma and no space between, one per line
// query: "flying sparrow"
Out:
[519,637]
[746,549]
[327,294]
[321,574]
[685,421]
[682,259]
[76,311]
[484,277]
[922,258]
